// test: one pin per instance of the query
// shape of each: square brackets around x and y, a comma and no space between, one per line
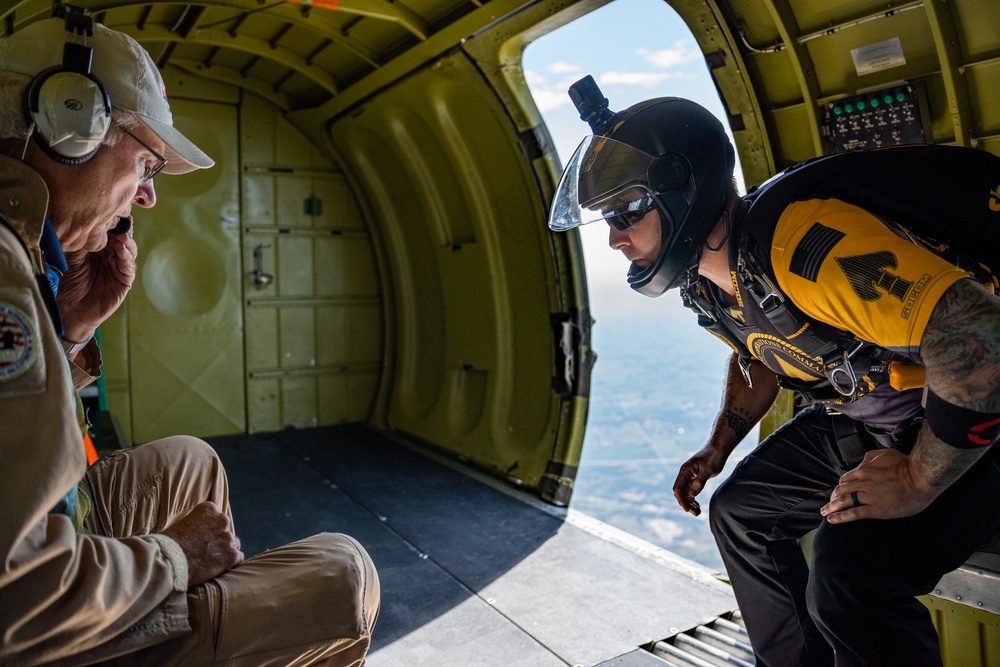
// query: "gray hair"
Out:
[14,126]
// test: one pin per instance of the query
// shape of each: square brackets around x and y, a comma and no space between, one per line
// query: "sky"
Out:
[635,50]
[668,369]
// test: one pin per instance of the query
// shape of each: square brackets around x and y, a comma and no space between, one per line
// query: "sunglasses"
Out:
[149,170]
[625,216]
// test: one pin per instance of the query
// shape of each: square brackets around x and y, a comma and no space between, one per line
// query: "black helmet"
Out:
[670,151]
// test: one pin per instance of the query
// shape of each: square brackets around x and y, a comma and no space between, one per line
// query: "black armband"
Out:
[960,427]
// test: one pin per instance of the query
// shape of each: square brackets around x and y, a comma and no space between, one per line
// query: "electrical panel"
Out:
[886,117]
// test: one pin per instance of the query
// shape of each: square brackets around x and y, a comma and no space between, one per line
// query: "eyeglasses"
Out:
[150,171]
[625,216]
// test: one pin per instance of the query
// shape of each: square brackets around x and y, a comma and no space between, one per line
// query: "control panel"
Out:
[887,117]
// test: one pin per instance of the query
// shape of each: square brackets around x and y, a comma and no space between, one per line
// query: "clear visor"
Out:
[605,180]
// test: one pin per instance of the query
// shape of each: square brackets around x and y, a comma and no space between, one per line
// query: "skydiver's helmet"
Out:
[666,154]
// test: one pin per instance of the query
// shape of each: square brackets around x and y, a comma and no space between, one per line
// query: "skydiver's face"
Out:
[640,241]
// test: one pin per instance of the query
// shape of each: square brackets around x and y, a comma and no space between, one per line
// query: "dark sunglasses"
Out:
[625,216]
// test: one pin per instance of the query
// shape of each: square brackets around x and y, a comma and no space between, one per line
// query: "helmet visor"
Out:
[605,180]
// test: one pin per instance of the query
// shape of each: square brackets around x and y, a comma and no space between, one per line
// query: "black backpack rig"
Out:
[946,196]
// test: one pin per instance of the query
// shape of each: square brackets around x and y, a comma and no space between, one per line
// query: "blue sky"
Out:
[636,50]
[655,366]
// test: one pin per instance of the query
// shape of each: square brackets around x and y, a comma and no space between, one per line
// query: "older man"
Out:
[133,560]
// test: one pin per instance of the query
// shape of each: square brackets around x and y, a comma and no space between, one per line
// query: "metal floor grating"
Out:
[721,643]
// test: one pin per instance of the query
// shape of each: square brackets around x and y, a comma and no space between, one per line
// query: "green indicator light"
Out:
[874,102]
[849,107]
[888,99]
[861,105]
[837,111]
[900,96]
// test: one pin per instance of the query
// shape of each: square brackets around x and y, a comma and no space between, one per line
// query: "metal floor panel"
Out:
[472,576]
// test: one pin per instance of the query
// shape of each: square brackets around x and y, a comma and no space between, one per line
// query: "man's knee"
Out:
[347,576]
[184,449]
[728,507]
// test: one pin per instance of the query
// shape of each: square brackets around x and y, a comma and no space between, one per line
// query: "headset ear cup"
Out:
[669,173]
[71,114]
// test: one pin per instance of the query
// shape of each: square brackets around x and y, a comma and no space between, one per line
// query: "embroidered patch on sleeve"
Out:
[813,249]
[22,366]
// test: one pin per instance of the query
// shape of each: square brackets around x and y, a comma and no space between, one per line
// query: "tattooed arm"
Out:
[742,407]
[960,350]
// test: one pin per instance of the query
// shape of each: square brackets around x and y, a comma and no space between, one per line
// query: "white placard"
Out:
[879,56]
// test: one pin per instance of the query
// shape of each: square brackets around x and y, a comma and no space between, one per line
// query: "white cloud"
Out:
[550,99]
[548,96]
[644,79]
[667,58]
[563,67]
[533,78]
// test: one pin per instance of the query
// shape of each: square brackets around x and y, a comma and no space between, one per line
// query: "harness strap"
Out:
[845,357]
[851,444]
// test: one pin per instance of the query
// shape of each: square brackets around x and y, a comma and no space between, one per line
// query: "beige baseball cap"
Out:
[126,71]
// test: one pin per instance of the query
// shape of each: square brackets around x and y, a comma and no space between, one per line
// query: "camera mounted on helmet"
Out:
[592,105]
[667,155]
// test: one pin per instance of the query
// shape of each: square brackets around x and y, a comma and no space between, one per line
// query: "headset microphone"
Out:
[124,224]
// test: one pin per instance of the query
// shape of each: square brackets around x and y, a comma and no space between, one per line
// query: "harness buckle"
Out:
[841,374]
[770,301]
[745,369]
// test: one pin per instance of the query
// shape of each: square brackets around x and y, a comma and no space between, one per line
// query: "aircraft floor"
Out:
[471,575]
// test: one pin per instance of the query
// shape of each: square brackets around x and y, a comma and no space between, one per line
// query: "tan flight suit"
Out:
[113,586]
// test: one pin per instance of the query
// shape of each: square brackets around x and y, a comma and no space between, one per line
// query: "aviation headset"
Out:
[68,108]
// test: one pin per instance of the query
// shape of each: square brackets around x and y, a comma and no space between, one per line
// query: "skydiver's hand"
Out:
[886,485]
[207,538]
[95,284]
[693,475]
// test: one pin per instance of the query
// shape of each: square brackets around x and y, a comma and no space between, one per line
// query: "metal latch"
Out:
[261,279]
[569,352]
[841,373]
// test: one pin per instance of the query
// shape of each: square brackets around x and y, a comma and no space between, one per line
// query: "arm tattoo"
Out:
[739,424]
[961,347]
[941,464]
[961,353]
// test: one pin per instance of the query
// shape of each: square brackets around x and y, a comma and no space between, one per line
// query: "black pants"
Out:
[855,605]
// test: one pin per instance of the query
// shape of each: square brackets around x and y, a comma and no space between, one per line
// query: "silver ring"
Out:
[854,499]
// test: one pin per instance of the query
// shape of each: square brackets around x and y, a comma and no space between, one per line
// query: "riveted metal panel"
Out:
[314,323]
[969,637]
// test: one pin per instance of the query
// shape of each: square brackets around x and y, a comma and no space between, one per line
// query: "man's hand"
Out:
[886,484]
[692,476]
[207,539]
[95,284]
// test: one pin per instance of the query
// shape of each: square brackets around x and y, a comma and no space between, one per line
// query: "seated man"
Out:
[133,561]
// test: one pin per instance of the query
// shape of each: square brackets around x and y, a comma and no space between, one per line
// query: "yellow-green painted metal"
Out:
[782,410]
[457,211]
[314,330]
[969,637]
[181,356]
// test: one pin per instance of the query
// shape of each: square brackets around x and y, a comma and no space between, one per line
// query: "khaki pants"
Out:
[313,602]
